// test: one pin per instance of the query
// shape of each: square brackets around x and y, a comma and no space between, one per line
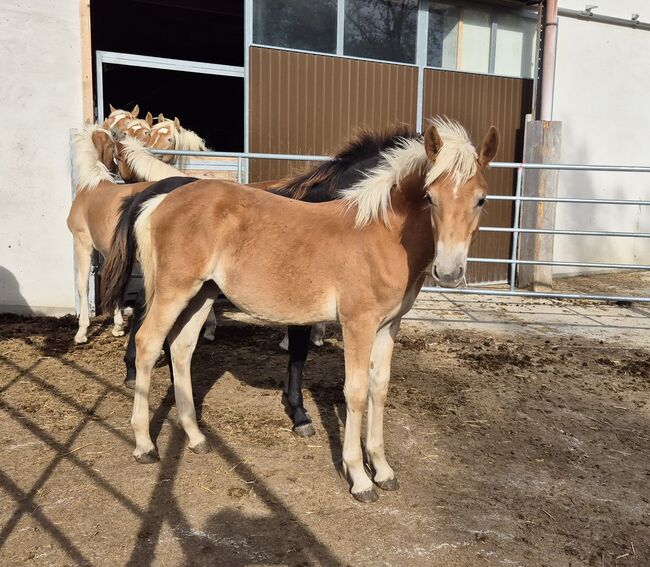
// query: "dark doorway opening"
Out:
[190,30]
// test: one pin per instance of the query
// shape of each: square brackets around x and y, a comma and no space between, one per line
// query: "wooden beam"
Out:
[86,62]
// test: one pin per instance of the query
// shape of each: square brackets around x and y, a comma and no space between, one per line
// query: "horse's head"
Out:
[140,129]
[456,191]
[164,136]
[105,145]
[118,119]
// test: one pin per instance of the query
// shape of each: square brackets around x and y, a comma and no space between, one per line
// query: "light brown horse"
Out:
[140,129]
[118,118]
[363,265]
[170,135]
[94,212]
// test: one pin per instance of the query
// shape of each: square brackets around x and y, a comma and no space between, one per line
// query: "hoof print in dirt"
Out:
[304,430]
[389,485]
[147,458]
[202,448]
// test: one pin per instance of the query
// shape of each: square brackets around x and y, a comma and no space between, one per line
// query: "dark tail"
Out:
[121,256]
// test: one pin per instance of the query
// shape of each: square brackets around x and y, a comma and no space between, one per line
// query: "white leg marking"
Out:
[83,256]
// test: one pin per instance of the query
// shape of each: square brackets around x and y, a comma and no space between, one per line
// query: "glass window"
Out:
[297,24]
[381,29]
[515,45]
[442,44]
[475,49]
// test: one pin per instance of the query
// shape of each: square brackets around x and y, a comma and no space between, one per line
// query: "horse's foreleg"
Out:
[158,322]
[183,339]
[83,251]
[358,338]
[292,394]
[382,352]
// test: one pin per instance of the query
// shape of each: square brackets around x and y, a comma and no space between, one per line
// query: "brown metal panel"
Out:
[310,104]
[478,101]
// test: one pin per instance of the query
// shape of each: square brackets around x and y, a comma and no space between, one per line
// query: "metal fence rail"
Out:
[515,230]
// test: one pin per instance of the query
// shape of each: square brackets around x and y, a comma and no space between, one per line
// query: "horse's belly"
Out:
[272,299]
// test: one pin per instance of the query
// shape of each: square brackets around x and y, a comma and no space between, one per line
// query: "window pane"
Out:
[515,45]
[381,29]
[442,44]
[298,24]
[475,54]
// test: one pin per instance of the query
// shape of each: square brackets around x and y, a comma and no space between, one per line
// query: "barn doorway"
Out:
[180,58]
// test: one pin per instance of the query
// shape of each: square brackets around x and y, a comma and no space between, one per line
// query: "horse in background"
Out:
[140,129]
[117,120]
[363,265]
[168,134]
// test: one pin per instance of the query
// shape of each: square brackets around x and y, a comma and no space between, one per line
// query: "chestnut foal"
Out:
[363,265]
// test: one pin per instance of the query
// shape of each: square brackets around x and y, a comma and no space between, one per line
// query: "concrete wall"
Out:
[601,96]
[40,95]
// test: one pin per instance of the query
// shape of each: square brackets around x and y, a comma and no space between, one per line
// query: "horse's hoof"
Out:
[117,332]
[367,496]
[80,340]
[202,448]
[209,338]
[304,430]
[129,383]
[148,457]
[318,342]
[389,485]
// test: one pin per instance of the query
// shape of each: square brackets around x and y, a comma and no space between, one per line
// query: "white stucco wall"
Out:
[602,86]
[40,97]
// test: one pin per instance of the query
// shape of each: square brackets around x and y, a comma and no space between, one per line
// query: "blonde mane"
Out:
[87,169]
[143,164]
[456,158]
[182,139]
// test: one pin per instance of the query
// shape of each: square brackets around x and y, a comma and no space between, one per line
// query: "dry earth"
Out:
[512,448]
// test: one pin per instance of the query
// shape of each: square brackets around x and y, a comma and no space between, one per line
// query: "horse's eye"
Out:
[428,198]
[480,202]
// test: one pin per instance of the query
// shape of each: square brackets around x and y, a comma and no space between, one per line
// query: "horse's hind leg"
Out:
[83,251]
[183,339]
[118,323]
[292,394]
[382,352]
[157,324]
[210,326]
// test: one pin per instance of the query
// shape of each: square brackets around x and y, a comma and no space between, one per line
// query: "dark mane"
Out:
[359,155]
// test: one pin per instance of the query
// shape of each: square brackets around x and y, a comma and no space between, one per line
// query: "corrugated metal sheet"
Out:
[311,104]
[478,101]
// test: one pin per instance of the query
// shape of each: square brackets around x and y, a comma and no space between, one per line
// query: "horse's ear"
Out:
[161,118]
[112,108]
[432,142]
[177,123]
[149,118]
[489,146]
[135,111]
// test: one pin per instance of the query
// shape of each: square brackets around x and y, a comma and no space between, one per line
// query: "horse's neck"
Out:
[410,224]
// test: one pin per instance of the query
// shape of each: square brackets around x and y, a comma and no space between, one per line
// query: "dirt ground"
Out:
[512,448]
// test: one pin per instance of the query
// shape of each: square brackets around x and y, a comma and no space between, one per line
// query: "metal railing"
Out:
[515,230]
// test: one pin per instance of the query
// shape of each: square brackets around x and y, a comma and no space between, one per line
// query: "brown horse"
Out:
[140,129]
[363,265]
[170,135]
[118,118]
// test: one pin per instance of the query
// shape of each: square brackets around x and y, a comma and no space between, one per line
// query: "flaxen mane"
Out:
[143,164]
[87,169]
[348,166]
[456,158]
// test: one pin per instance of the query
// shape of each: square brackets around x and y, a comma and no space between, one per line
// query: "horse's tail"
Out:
[131,238]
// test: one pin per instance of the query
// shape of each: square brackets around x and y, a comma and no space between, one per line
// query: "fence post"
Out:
[542,143]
